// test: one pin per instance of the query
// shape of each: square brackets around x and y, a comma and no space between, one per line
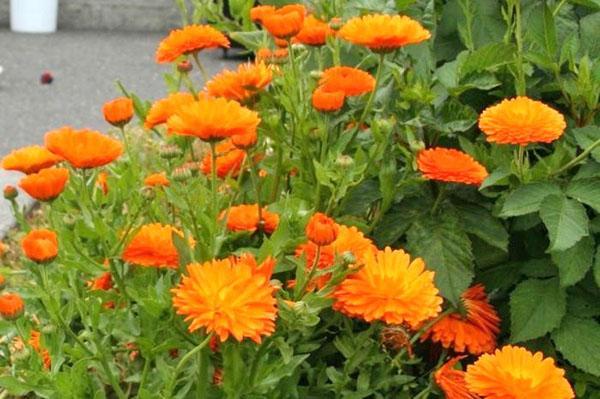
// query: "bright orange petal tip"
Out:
[156,180]
[521,121]
[452,381]
[83,148]
[278,56]
[213,119]
[321,229]
[246,218]
[283,22]
[383,33]
[350,81]
[450,165]
[118,112]
[11,306]
[102,182]
[475,332]
[45,185]
[40,245]
[30,159]
[162,109]
[229,160]
[515,373]
[229,297]
[314,32]
[328,101]
[241,84]
[190,39]
[389,287]
[152,246]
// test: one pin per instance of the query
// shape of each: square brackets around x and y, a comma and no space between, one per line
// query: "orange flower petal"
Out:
[30,159]
[46,184]
[450,165]
[83,148]
[40,245]
[350,81]
[190,39]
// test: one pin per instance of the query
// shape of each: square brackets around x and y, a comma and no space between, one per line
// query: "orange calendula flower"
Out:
[153,246]
[30,159]
[475,332]
[162,109]
[383,33]
[229,297]
[278,56]
[328,101]
[521,120]
[11,306]
[46,184]
[156,180]
[283,22]
[213,119]
[515,373]
[452,381]
[242,84]
[246,218]
[118,112]
[314,32]
[83,148]
[450,165]
[190,39]
[229,160]
[102,182]
[258,13]
[40,245]
[36,344]
[389,287]
[101,283]
[351,81]
[321,229]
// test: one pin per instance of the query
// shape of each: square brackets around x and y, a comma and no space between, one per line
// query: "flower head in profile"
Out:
[45,185]
[246,217]
[40,245]
[452,381]
[515,373]
[321,229]
[101,283]
[278,56]
[283,22]
[152,246]
[190,39]
[30,159]
[450,165]
[475,332]
[213,119]
[162,109]
[118,112]
[36,344]
[383,33]
[241,84]
[314,32]
[84,148]
[229,297]
[229,160]
[350,81]
[328,101]
[156,180]
[521,120]
[11,306]
[391,288]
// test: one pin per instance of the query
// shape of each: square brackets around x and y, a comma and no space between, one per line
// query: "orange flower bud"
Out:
[11,306]
[40,245]
[321,229]
[10,192]
[119,111]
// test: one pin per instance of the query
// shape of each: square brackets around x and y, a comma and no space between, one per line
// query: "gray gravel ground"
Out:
[85,65]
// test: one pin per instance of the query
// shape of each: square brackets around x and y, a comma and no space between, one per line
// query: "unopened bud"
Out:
[193,167]
[385,125]
[185,66]
[148,193]
[316,74]
[169,151]
[69,220]
[181,174]
[10,192]
[344,161]
[48,329]
[335,23]
[348,258]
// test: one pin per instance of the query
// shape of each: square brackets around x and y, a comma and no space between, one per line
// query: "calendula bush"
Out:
[395,200]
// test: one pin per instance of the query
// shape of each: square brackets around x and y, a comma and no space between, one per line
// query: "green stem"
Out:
[111,377]
[520,84]
[200,67]
[311,275]
[213,188]
[255,362]
[144,376]
[188,356]
[278,173]
[558,7]
[438,199]
[256,184]
[578,158]
[19,216]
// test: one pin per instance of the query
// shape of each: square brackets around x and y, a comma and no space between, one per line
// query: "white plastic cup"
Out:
[33,16]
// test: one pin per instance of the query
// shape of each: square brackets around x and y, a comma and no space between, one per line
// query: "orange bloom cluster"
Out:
[521,120]
[162,109]
[40,245]
[152,246]
[229,160]
[475,332]
[314,32]
[83,148]
[450,165]
[383,33]
[283,22]
[30,159]
[35,342]
[46,184]
[118,112]
[156,180]
[391,288]
[229,297]
[452,381]
[339,82]
[246,218]
[11,306]
[190,39]
[242,84]
[515,373]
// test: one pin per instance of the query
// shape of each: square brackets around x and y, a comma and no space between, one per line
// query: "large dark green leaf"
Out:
[585,137]
[527,198]
[566,221]
[480,222]
[574,263]
[579,342]
[586,191]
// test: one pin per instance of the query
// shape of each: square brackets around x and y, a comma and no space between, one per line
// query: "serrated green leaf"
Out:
[446,249]
[590,31]
[595,4]
[578,340]
[527,198]
[488,57]
[480,222]
[566,221]
[574,263]
[536,308]
[586,191]
[585,137]
[596,269]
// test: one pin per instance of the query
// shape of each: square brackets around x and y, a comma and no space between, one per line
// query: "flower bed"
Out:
[380,205]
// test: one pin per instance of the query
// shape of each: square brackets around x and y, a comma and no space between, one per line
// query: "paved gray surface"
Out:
[85,65]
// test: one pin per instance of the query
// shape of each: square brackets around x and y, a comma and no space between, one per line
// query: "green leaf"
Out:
[575,262]
[595,4]
[566,221]
[590,31]
[585,137]
[536,308]
[527,198]
[488,57]
[446,249]
[480,222]
[578,340]
[596,269]
[586,191]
